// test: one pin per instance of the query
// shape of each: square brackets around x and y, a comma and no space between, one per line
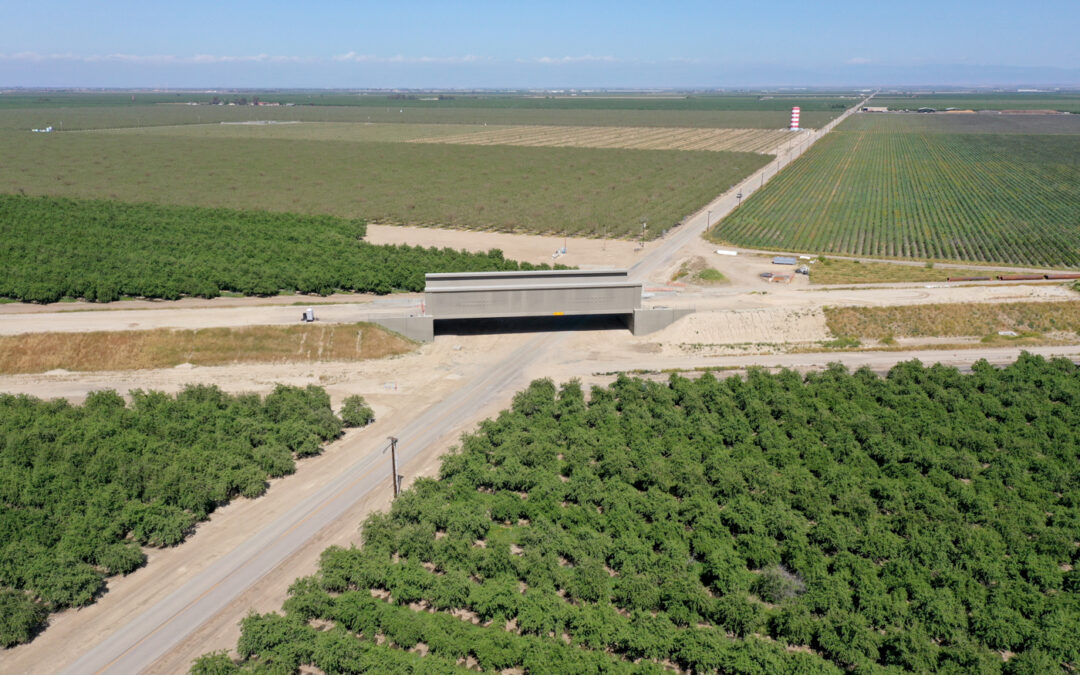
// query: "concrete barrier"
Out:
[645,321]
[419,328]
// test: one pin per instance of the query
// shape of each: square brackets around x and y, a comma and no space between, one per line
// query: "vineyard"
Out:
[964,124]
[867,190]
[1065,102]
[837,522]
[102,251]
[637,138]
[84,487]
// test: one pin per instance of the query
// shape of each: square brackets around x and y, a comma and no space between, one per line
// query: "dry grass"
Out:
[954,320]
[165,348]
[635,138]
[832,271]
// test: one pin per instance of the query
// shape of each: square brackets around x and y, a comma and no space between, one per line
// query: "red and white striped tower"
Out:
[794,119]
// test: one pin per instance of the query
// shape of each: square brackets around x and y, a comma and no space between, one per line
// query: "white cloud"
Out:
[858,61]
[152,59]
[353,57]
[562,60]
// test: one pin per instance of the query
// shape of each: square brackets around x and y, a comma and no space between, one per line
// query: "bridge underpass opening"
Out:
[531,324]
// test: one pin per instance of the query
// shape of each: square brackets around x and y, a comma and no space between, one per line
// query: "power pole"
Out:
[393,463]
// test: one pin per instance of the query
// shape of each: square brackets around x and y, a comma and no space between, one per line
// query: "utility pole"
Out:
[393,463]
[708,219]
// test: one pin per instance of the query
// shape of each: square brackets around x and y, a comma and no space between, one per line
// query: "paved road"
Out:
[160,627]
[668,251]
[211,317]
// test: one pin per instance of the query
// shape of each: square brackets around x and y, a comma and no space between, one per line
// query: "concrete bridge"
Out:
[542,293]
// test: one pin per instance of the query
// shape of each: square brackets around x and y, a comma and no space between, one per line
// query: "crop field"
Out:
[1064,102]
[102,250]
[837,522]
[343,154]
[638,138]
[822,101]
[340,132]
[981,123]
[869,189]
[73,111]
[510,189]
[641,138]
[84,487]
[70,119]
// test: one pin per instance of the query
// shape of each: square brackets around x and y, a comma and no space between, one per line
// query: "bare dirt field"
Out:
[580,251]
[746,327]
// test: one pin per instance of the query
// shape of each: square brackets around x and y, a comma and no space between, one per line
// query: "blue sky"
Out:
[538,44]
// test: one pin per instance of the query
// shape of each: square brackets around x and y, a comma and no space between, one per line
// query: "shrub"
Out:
[777,585]
[355,412]
[214,663]
[20,617]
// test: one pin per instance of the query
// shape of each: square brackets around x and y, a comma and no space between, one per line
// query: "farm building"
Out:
[875,108]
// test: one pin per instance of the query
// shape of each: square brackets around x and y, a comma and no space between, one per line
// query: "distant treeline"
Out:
[562,101]
[104,250]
